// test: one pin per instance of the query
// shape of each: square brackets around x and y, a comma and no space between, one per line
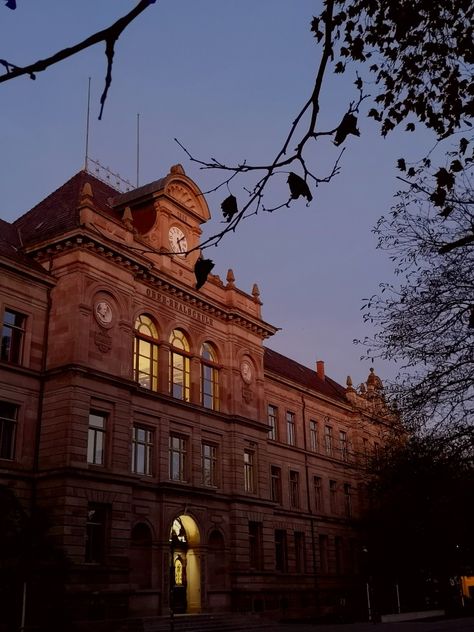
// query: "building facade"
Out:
[183,464]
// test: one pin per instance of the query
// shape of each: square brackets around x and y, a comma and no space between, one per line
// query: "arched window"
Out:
[179,365]
[209,377]
[145,353]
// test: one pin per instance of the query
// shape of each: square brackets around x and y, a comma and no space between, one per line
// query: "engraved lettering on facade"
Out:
[179,307]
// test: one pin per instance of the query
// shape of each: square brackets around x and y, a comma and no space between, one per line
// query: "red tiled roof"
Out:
[58,213]
[10,247]
[296,372]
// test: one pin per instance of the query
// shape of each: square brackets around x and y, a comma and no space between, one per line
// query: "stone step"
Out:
[206,623]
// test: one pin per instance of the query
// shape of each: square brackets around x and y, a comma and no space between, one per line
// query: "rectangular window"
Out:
[313,436]
[376,450]
[96,531]
[142,450]
[276,483]
[300,558]
[294,489]
[281,551]
[328,442]
[249,473]
[256,545]
[339,554]
[209,464]
[96,438]
[343,445]
[8,420]
[333,496]
[318,493]
[272,417]
[290,427]
[348,500]
[13,333]
[323,554]
[178,458]
[365,451]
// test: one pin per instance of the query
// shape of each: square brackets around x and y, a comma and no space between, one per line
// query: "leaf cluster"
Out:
[421,54]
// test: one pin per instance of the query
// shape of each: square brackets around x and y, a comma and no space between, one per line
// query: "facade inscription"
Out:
[178,306]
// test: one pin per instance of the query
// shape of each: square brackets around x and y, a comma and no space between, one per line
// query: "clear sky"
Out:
[226,78]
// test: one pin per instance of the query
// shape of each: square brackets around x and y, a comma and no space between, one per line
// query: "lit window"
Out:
[255,545]
[328,442]
[318,493]
[249,474]
[313,436]
[290,427]
[179,365]
[281,551]
[96,438]
[294,489]
[300,558]
[8,417]
[343,445]
[276,483]
[13,333]
[273,422]
[142,450]
[209,377]
[209,464]
[333,496]
[178,458]
[145,353]
[96,526]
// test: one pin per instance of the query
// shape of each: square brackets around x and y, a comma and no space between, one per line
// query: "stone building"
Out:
[181,461]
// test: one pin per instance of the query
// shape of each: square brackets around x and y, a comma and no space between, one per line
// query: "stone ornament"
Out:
[103,314]
[246,371]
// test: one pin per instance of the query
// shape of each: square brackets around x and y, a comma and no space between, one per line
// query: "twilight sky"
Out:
[226,78]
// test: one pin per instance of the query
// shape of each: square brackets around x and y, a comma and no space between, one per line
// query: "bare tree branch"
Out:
[109,35]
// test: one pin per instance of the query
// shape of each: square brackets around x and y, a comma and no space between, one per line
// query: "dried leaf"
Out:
[298,187]
[202,269]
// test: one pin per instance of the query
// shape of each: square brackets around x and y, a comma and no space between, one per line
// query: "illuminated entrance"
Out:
[185,570]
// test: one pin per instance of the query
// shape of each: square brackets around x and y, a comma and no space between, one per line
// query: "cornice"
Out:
[143,270]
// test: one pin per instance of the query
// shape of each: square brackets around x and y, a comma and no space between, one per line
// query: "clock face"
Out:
[178,241]
[246,371]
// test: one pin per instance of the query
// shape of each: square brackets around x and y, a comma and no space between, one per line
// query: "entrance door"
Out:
[185,575]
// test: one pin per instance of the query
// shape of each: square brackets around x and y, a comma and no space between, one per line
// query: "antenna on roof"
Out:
[138,148]
[86,159]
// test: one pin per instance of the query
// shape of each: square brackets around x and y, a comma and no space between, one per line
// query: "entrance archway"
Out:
[185,571]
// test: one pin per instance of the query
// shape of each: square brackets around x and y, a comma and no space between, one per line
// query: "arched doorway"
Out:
[185,570]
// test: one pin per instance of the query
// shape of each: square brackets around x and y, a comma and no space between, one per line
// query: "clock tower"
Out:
[167,215]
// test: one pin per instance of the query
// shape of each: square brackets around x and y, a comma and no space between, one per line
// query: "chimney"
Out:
[320,369]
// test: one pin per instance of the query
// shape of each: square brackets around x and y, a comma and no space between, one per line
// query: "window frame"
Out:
[212,366]
[290,428]
[294,487]
[153,357]
[148,446]
[12,434]
[328,440]
[313,436]
[13,354]
[255,545]
[93,433]
[348,504]
[275,479]
[343,445]
[181,451]
[249,471]
[281,551]
[96,531]
[213,461]
[333,496]
[272,420]
[183,355]
[300,557]
[318,493]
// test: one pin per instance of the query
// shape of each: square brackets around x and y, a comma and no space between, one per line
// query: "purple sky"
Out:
[226,78]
